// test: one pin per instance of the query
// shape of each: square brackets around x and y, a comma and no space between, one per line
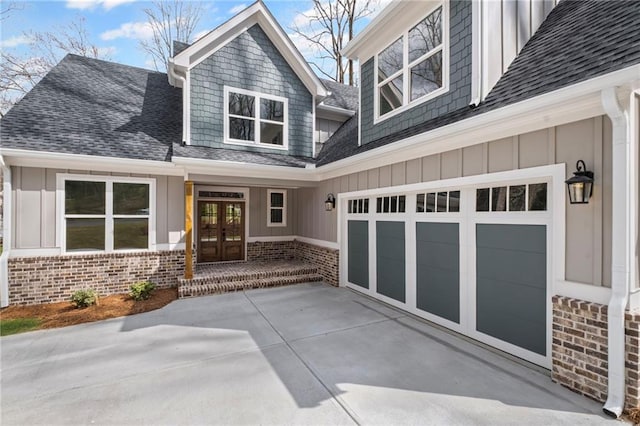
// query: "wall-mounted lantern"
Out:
[580,186]
[330,203]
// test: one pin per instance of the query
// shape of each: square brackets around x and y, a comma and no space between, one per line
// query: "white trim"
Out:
[319,243]
[271,238]
[314,119]
[256,119]
[257,13]
[109,216]
[283,208]
[586,292]
[170,246]
[36,252]
[405,72]
[313,241]
[476,53]
[335,110]
[7,231]
[240,169]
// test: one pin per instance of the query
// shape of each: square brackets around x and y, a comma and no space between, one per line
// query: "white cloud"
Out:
[15,41]
[237,9]
[92,4]
[140,30]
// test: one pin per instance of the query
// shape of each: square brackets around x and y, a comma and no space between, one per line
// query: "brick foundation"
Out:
[325,259]
[34,280]
[580,349]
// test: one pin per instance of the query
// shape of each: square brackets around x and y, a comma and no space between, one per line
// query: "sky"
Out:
[116,26]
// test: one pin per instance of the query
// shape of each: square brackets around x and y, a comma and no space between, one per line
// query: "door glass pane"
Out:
[454,201]
[131,198]
[442,201]
[85,234]
[84,197]
[499,199]
[482,200]
[233,222]
[208,231]
[538,196]
[431,202]
[517,198]
[131,233]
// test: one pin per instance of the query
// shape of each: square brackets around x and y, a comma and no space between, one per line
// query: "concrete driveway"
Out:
[305,354]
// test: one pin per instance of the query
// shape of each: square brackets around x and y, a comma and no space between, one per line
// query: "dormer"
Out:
[247,87]
[425,60]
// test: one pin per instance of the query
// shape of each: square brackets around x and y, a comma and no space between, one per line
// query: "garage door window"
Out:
[391,204]
[532,197]
[359,206]
[441,202]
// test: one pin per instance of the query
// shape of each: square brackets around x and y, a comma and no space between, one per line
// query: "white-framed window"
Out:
[105,214]
[256,119]
[415,67]
[276,207]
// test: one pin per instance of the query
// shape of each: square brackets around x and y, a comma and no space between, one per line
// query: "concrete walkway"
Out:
[305,354]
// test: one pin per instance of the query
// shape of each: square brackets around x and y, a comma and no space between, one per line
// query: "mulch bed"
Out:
[63,314]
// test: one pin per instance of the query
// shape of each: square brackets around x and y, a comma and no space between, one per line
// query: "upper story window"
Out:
[414,68]
[255,119]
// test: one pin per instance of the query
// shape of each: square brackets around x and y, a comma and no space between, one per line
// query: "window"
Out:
[414,67]
[255,119]
[392,204]
[277,207]
[438,202]
[106,214]
[513,198]
[359,205]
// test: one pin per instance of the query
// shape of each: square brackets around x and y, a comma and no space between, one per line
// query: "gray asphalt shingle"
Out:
[342,95]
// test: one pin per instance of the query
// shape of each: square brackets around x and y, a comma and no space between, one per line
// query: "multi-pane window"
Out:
[412,66]
[391,204]
[255,118]
[360,205]
[106,215]
[277,207]
[441,202]
[512,198]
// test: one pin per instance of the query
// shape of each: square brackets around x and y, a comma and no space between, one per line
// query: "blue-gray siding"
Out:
[458,96]
[511,262]
[438,269]
[358,253]
[249,62]
[390,260]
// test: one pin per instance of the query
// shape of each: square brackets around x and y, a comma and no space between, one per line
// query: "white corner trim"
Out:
[476,53]
[7,232]
[586,292]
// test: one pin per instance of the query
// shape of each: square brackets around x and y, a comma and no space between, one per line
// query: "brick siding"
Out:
[580,349]
[34,280]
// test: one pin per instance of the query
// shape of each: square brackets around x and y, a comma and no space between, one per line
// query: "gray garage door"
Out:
[390,259]
[358,252]
[511,282]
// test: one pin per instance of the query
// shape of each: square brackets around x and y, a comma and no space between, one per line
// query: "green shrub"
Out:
[141,290]
[84,298]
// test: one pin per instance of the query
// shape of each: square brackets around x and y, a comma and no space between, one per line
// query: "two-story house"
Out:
[438,186]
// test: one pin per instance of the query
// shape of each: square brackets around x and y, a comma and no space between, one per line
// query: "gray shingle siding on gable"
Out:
[249,62]
[458,96]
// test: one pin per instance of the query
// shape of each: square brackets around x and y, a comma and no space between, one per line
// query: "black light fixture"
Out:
[330,204]
[580,186]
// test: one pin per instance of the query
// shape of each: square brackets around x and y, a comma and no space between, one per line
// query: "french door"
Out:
[220,231]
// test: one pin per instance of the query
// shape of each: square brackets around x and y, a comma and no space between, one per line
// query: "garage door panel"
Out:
[510,265]
[390,260]
[438,269]
[511,237]
[358,253]
[511,282]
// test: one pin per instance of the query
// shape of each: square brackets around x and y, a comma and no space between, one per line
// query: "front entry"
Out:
[220,231]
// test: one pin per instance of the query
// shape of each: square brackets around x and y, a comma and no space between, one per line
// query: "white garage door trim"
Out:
[553,218]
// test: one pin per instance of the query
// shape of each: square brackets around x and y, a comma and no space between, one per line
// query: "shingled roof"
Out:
[579,40]
[342,95]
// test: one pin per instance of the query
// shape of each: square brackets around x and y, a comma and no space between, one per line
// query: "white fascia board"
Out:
[225,33]
[240,169]
[391,22]
[333,111]
[55,160]
[565,105]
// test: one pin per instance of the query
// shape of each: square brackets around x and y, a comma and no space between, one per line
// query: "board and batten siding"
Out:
[588,227]
[34,197]
[507,25]
[258,214]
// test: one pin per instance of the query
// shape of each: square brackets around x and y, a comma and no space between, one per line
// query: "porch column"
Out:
[188,228]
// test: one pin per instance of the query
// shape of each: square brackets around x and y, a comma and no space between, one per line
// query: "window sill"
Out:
[276,225]
[257,145]
[441,91]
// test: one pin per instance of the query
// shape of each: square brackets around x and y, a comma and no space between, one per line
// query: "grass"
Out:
[18,325]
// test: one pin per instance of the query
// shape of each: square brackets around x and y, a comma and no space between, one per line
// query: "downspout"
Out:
[6,234]
[620,252]
[185,98]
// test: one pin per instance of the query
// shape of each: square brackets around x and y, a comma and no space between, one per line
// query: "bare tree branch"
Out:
[170,20]
[329,28]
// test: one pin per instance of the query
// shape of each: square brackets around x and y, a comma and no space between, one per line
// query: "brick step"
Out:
[202,287]
[227,277]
